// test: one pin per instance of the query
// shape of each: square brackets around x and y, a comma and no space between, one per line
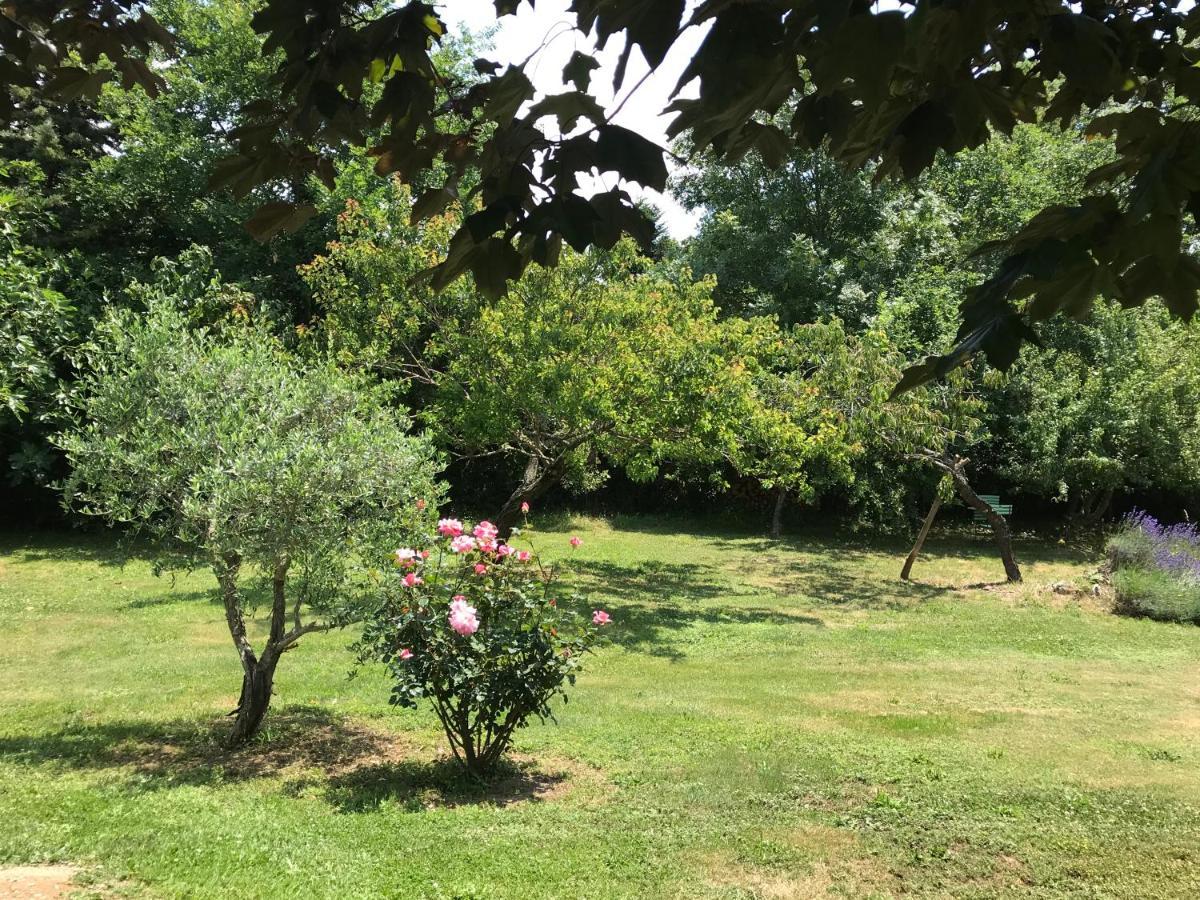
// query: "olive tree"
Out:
[227,453]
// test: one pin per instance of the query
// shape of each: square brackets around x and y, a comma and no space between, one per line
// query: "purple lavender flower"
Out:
[1173,549]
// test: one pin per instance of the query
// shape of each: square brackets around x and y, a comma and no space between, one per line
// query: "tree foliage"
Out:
[225,453]
[606,360]
[882,86]
[1104,410]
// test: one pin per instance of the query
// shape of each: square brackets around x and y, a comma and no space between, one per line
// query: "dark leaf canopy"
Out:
[892,87]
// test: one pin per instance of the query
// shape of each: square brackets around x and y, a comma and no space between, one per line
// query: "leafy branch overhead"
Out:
[889,87]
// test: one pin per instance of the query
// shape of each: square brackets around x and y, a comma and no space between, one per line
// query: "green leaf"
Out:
[70,83]
[506,93]
[495,264]
[578,70]
[568,108]
[431,203]
[632,156]
[278,217]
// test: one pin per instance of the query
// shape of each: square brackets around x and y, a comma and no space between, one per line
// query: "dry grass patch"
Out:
[837,867]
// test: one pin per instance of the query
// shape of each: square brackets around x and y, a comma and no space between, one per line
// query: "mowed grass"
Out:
[773,719]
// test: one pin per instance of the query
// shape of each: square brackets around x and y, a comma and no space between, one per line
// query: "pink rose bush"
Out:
[480,630]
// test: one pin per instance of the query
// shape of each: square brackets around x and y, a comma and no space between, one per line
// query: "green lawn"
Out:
[774,719]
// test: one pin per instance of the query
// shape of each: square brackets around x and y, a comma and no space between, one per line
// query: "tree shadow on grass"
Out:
[640,580]
[353,767]
[834,586]
[954,538]
[172,596]
[154,755]
[649,629]
[653,601]
[105,547]
[418,785]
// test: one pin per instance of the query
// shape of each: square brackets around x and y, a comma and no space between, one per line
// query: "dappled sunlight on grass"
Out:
[773,719]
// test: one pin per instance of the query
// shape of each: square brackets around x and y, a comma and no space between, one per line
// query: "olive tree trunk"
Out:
[258,671]
[257,684]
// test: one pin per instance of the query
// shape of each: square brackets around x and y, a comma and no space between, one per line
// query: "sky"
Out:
[518,36]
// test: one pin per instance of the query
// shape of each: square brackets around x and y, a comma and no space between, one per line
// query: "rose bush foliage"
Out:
[482,631]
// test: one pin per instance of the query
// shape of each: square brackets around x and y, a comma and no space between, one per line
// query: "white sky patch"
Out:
[519,36]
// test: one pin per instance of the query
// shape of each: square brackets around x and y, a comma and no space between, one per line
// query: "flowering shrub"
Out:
[1146,543]
[478,628]
[1157,568]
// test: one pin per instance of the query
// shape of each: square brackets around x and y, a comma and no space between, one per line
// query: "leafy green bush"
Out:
[1157,595]
[228,454]
[479,629]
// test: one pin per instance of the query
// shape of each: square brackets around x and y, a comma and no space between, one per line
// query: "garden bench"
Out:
[992,500]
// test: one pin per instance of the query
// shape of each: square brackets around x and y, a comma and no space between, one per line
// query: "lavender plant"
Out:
[1157,568]
[1144,542]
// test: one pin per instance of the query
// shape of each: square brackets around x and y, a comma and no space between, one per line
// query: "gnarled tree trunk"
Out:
[539,477]
[258,672]
[257,684]
[955,467]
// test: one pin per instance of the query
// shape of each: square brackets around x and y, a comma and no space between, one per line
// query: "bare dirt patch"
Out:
[36,882]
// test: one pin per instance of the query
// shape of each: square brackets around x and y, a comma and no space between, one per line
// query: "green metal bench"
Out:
[992,500]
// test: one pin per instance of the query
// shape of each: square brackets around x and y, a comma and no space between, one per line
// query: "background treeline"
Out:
[747,366]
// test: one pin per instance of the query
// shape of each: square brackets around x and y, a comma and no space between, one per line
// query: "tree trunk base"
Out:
[252,708]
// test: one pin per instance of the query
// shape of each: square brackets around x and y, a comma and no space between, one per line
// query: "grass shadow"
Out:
[636,581]
[419,785]
[354,768]
[953,538]
[156,755]
[173,596]
[102,546]
[648,628]
[830,585]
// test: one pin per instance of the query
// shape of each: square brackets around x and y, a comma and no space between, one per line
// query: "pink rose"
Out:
[412,580]
[449,527]
[487,545]
[524,507]
[575,542]
[600,617]
[463,543]
[486,531]
[424,554]
[523,556]
[405,653]
[480,569]
[462,617]
[405,556]
[504,550]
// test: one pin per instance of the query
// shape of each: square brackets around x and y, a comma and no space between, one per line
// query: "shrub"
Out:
[1129,548]
[1157,595]
[480,630]
[1156,568]
[230,455]
[1144,542]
